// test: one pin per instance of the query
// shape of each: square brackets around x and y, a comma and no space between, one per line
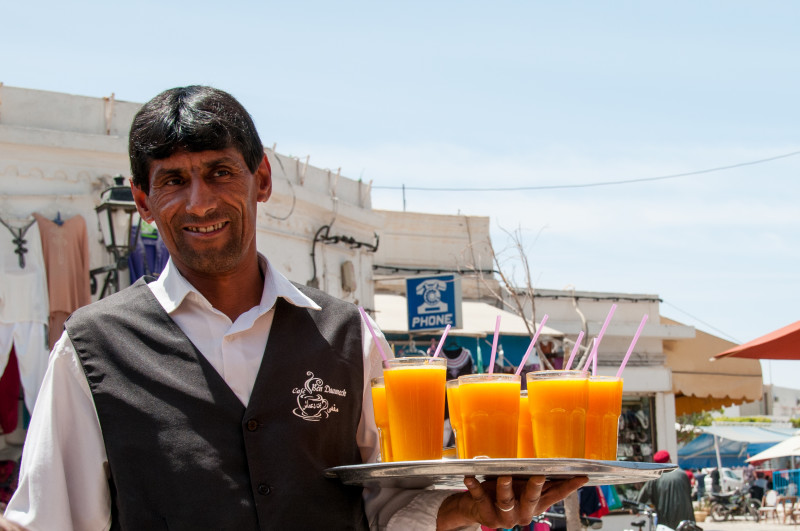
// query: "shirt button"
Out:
[263,489]
[252,425]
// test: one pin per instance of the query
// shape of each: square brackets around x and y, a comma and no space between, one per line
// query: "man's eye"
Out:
[221,173]
[173,181]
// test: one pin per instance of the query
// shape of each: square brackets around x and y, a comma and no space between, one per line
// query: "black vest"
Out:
[185,454]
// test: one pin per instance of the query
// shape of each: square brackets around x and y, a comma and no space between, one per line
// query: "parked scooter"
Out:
[726,505]
[650,521]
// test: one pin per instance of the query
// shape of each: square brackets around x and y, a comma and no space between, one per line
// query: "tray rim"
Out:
[446,471]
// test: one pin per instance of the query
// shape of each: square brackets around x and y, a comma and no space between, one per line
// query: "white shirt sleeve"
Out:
[63,483]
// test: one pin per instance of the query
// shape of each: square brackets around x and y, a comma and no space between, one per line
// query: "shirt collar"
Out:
[171,289]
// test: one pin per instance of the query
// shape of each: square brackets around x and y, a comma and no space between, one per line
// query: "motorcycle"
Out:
[726,505]
[650,523]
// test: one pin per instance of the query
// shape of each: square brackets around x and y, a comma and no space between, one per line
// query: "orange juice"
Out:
[489,414]
[557,401]
[602,417]
[525,448]
[415,403]
[381,417]
[455,416]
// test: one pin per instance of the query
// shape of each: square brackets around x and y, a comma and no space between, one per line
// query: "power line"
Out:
[590,185]
[731,338]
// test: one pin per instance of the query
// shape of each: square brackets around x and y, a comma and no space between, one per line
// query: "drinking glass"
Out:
[557,401]
[489,414]
[602,417]
[415,391]
[381,417]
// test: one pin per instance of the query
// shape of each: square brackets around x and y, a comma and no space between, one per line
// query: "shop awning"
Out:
[391,314]
[782,344]
[702,385]
[789,447]
[735,444]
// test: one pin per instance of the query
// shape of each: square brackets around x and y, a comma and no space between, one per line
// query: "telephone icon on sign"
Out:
[431,292]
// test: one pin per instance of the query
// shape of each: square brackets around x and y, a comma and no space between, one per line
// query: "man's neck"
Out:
[234,293]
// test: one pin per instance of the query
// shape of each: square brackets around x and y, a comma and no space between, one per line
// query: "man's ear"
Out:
[264,176]
[142,201]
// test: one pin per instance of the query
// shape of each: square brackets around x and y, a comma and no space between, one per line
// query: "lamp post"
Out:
[115,214]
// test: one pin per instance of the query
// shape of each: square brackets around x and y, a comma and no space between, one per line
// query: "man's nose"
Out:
[201,198]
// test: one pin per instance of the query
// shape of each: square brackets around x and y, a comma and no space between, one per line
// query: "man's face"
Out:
[204,205]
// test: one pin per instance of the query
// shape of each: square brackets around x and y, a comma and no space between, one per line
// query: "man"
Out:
[671,494]
[700,483]
[175,404]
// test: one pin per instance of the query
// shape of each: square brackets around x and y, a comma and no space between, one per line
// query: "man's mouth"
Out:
[210,228]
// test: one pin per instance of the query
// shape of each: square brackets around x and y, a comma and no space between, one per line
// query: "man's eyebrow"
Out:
[224,160]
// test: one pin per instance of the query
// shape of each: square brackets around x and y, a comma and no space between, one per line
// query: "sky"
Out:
[588,128]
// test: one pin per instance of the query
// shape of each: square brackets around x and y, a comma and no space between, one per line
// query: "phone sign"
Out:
[433,302]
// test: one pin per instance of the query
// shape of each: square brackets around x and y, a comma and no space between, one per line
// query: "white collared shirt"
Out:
[63,482]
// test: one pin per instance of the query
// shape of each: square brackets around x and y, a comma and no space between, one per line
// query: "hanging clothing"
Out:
[65,249]
[30,345]
[459,361]
[149,255]
[24,308]
[23,289]
[9,395]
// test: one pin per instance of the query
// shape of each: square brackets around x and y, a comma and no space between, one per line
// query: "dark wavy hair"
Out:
[193,118]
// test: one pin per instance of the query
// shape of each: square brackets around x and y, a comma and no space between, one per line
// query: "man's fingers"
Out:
[475,489]
[529,499]
[505,494]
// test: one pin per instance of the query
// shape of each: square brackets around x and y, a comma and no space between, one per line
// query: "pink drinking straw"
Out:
[372,331]
[600,338]
[575,350]
[494,344]
[530,347]
[630,349]
[441,341]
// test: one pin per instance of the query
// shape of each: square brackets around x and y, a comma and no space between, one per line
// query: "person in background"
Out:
[700,483]
[195,400]
[715,483]
[671,494]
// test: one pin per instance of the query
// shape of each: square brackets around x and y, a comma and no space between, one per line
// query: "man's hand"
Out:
[504,502]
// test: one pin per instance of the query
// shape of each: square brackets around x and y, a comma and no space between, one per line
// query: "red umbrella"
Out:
[782,344]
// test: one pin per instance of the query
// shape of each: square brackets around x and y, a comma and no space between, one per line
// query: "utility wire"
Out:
[730,337]
[590,185]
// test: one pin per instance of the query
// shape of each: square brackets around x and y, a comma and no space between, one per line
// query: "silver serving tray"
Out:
[451,472]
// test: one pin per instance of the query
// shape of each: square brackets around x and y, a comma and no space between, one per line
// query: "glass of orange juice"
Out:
[602,417]
[557,401]
[415,391]
[525,448]
[455,416]
[489,414]
[381,417]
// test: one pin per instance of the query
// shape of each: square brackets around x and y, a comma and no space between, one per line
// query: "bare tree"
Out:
[519,296]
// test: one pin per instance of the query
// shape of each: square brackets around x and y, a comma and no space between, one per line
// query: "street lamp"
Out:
[115,214]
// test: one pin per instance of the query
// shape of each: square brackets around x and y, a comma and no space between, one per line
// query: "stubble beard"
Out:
[212,261]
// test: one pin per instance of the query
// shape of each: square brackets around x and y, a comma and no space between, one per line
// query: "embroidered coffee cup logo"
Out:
[311,404]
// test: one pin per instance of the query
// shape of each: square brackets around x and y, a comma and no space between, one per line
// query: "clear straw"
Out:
[494,344]
[630,349]
[575,350]
[441,341]
[600,338]
[533,343]
[372,331]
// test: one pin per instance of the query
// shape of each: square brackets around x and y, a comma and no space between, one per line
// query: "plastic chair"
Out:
[769,505]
